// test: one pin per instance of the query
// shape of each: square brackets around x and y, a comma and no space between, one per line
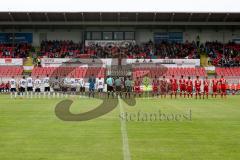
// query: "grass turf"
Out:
[29,130]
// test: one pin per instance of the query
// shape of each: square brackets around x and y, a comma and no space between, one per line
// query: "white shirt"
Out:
[13,83]
[81,82]
[29,82]
[23,83]
[37,83]
[66,81]
[73,82]
[46,82]
[100,83]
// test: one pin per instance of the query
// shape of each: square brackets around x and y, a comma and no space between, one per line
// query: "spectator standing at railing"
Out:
[38,62]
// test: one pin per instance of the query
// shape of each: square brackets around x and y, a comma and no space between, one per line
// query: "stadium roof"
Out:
[23,20]
[120,6]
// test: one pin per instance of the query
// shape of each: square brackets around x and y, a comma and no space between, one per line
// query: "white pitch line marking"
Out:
[126,151]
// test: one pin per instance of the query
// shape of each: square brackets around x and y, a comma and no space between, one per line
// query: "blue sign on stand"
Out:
[170,37]
[16,37]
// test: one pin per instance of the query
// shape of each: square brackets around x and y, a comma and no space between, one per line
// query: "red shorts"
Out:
[214,88]
[182,88]
[155,88]
[197,89]
[223,88]
[174,87]
[137,89]
[163,89]
[206,89]
[189,89]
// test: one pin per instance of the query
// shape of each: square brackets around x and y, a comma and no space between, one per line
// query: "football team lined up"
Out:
[185,86]
[54,87]
[27,87]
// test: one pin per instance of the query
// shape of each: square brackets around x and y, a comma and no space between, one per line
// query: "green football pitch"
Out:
[153,129]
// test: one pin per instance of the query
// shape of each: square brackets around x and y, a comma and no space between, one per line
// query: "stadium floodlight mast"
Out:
[62,109]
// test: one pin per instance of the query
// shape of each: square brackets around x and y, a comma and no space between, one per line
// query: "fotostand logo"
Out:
[155,116]
[62,109]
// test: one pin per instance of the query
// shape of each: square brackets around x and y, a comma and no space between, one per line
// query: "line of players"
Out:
[118,86]
[185,86]
[62,86]
[26,85]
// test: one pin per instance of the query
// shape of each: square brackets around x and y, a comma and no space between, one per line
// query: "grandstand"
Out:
[67,54]
[155,35]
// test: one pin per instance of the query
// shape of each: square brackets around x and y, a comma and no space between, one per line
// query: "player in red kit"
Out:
[189,85]
[137,88]
[197,84]
[219,87]
[206,83]
[2,87]
[223,83]
[173,82]
[155,87]
[214,86]
[164,87]
[182,84]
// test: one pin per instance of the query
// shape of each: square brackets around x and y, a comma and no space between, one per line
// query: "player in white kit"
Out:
[46,84]
[73,85]
[100,86]
[82,86]
[55,83]
[37,85]
[29,86]
[23,85]
[13,87]
[66,82]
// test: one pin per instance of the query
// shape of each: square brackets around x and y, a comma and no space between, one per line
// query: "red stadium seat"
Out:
[228,71]
[10,71]
[139,72]
[77,72]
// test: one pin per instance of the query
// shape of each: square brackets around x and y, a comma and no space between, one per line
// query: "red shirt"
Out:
[7,85]
[155,83]
[223,81]
[206,83]
[164,82]
[197,83]
[182,82]
[214,82]
[173,81]
[189,83]
[137,83]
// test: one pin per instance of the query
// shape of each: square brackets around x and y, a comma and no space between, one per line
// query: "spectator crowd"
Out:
[21,50]
[224,55]
[219,54]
